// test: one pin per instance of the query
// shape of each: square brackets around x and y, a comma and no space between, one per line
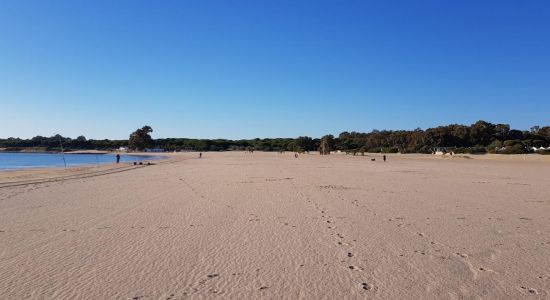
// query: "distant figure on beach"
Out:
[200,155]
[117,158]
[384,157]
[295,155]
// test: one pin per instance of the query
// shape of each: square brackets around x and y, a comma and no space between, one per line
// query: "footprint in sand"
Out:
[366,286]
[487,270]
[530,290]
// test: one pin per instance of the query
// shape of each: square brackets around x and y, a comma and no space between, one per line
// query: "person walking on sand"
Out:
[200,155]
[384,157]
[295,155]
[117,158]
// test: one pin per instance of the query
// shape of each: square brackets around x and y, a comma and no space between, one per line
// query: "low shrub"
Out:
[477,150]
[389,150]
[515,149]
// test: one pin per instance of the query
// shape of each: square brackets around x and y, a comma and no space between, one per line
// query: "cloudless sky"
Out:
[269,68]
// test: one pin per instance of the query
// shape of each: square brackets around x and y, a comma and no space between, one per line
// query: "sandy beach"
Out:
[235,225]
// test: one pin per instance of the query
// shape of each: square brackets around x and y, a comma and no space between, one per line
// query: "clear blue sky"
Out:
[245,69]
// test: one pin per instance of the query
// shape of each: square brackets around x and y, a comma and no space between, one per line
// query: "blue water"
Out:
[16,160]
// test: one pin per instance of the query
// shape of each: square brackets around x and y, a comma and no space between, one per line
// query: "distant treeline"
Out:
[480,137]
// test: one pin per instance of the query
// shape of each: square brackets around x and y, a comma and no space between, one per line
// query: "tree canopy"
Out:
[141,138]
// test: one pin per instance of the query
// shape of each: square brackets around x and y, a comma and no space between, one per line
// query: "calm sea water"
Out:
[16,160]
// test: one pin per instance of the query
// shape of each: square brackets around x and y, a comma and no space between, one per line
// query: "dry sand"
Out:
[267,225]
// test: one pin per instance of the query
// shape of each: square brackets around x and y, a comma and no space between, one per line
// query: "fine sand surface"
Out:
[268,226]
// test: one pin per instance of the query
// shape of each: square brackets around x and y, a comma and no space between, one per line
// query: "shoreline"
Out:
[15,176]
[56,168]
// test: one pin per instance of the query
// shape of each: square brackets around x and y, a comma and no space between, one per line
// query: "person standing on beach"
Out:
[117,158]
[384,157]
[200,155]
